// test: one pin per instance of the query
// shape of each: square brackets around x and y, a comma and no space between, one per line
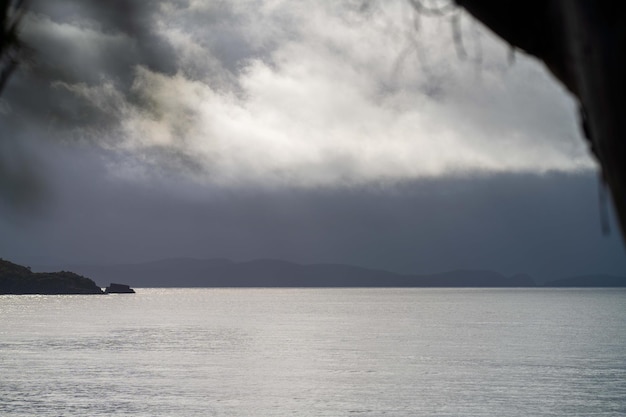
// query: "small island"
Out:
[17,279]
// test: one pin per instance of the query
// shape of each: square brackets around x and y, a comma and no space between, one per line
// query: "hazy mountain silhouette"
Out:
[187,272]
[589,281]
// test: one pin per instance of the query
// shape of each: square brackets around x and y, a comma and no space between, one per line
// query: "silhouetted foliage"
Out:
[11,12]
[583,43]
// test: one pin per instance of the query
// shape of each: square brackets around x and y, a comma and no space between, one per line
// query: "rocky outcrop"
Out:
[17,279]
[119,289]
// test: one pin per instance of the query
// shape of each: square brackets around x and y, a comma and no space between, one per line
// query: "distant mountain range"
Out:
[589,281]
[188,272]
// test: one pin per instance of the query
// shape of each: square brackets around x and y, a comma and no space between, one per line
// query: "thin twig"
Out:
[455,21]
[433,11]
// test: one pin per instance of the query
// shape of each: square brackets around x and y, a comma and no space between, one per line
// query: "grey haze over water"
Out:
[545,226]
[315,352]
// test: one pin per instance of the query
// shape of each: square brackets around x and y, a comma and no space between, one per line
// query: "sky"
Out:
[313,131]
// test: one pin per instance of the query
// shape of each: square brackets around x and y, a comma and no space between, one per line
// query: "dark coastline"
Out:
[17,279]
[263,273]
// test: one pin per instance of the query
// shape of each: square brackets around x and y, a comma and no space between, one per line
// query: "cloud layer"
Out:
[278,93]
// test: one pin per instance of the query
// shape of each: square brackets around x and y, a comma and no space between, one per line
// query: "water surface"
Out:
[315,352]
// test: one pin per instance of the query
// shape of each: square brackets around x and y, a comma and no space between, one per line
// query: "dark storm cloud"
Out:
[132,21]
[83,44]
[79,81]
[84,41]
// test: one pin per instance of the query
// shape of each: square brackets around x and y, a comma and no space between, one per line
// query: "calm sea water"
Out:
[315,352]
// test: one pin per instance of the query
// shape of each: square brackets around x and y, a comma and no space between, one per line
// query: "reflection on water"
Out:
[315,352]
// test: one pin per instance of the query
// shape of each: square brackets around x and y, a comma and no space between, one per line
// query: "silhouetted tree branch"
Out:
[583,43]
[11,13]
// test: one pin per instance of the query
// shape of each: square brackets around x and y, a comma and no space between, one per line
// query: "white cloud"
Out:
[319,93]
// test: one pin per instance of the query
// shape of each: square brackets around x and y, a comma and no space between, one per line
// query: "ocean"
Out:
[315,352]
